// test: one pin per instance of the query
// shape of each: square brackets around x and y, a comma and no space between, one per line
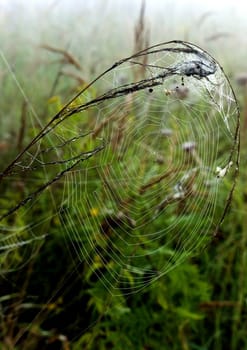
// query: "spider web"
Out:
[138,168]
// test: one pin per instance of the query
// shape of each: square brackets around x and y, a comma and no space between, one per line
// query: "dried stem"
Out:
[67,57]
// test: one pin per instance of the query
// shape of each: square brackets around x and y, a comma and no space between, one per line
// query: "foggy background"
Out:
[212,289]
[102,31]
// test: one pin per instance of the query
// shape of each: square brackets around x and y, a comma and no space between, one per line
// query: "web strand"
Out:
[138,165]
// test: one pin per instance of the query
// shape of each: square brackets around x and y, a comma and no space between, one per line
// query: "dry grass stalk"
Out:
[79,79]
[67,57]
[155,181]
[217,36]
[141,39]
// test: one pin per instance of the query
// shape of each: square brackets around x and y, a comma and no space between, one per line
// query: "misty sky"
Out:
[109,24]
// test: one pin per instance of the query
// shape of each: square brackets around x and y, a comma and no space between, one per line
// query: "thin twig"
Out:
[50,182]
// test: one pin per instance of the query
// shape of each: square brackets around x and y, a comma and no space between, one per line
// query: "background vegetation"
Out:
[49,299]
